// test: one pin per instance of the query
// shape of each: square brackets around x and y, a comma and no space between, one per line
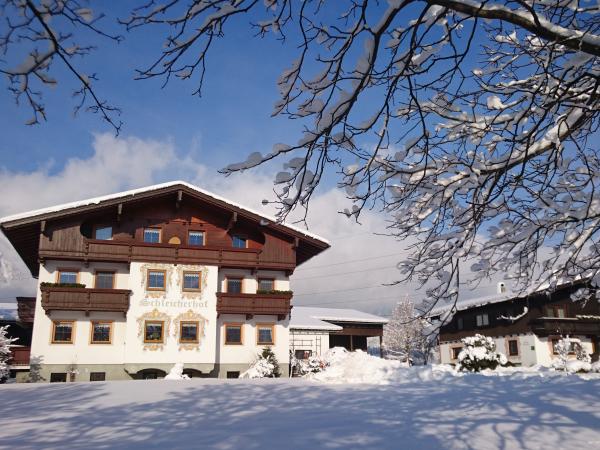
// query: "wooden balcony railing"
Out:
[252,304]
[567,325]
[56,298]
[19,356]
[119,251]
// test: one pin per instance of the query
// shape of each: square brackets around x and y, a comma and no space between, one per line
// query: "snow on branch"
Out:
[515,318]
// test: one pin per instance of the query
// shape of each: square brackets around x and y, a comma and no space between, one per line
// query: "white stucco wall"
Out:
[43,351]
[127,345]
[315,341]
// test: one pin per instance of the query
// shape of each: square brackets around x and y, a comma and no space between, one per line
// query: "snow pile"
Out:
[479,353]
[342,366]
[176,373]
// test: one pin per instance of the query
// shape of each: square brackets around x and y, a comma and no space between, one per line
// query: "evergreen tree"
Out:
[5,353]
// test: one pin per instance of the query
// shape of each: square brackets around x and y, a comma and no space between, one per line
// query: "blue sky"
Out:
[171,134]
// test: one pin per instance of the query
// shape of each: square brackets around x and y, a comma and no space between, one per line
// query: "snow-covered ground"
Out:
[400,408]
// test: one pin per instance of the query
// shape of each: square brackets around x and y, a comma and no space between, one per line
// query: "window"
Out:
[97,376]
[234,285]
[188,332]
[68,276]
[233,333]
[153,331]
[460,323]
[513,347]
[196,238]
[152,235]
[266,284]
[105,280]
[103,233]
[303,354]
[555,342]
[101,332]
[62,332]
[58,377]
[265,334]
[455,352]
[156,280]
[239,241]
[191,281]
[558,311]
[233,374]
[482,320]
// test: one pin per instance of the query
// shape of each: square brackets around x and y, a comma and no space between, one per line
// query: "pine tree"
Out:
[404,335]
[268,355]
[5,353]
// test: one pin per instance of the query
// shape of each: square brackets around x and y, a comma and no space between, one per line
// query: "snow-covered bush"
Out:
[566,346]
[265,366]
[479,353]
[5,354]
[176,373]
[313,364]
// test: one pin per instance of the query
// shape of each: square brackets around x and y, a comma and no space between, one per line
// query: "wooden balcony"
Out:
[19,356]
[564,326]
[120,251]
[81,299]
[252,304]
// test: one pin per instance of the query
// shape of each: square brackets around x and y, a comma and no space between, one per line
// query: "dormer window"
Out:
[239,241]
[103,233]
[152,235]
[196,238]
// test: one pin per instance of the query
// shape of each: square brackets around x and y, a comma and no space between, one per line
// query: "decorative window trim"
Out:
[265,325]
[110,333]
[53,332]
[97,227]
[153,229]
[233,324]
[188,272]
[104,271]
[60,270]
[189,341]
[234,277]
[162,331]
[148,288]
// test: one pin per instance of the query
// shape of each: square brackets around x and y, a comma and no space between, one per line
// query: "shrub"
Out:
[265,366]
[479,353]
[64,285]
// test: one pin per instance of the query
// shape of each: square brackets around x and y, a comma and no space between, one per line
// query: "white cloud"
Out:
[357,259]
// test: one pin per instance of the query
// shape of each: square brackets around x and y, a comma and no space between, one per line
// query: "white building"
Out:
[132,283]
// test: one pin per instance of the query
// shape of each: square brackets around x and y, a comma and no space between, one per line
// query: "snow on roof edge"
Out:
[154,187]
[311,316]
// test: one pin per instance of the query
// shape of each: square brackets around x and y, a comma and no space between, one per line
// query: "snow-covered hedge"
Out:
[265,366]
[582,361]
[479,353]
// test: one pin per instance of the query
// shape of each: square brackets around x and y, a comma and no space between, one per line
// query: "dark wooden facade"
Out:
[581,317]
[251,304]
[175,210]
[82,299]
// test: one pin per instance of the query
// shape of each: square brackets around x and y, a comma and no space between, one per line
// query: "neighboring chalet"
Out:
[132,283]
[525,328]
[18,318]
[313,331]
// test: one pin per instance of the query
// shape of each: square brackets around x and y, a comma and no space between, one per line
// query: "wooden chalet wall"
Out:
[72,238]
[534,321]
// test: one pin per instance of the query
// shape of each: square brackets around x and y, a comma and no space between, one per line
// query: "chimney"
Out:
[501,287]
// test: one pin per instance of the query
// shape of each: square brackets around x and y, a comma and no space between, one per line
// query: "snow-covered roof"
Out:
[313,318]
[155,187]
[8,311]
[498,298]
